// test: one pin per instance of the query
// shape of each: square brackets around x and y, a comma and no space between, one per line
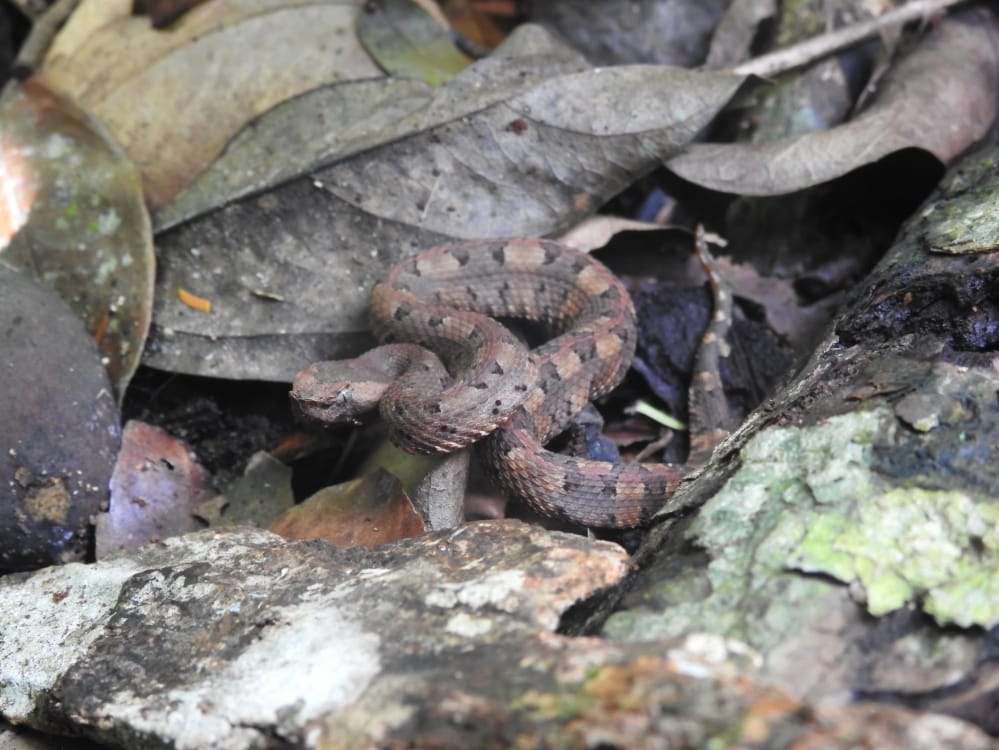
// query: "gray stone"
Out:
[219,639]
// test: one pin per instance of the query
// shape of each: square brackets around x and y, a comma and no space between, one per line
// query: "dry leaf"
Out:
[365,512]
[299,136]
[596,231]
[733,37]
[612,32]
[60,432]
[290,270]
[81,226]
[174,98]
[942,98]
[255,498]
[156,486]
[407,43]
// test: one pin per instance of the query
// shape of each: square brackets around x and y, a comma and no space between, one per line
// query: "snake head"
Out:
[335,408]
[334,393]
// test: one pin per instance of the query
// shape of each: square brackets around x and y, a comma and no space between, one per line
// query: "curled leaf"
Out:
[941,98]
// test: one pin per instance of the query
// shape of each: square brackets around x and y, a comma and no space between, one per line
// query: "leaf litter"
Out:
[173,99]
[531,163]
[941,98]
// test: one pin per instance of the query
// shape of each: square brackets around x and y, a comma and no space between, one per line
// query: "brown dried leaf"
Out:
[941,98]
[484,24]
[174,98]
[295,138]
[88,18]
[366,512]
[156,486]
[538,161]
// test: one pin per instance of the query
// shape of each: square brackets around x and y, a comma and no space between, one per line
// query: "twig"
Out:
[818,47]
[42,33]
[30,8]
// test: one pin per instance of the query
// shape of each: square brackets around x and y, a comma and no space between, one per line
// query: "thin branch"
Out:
[42,33]
[30,8]
[821,46]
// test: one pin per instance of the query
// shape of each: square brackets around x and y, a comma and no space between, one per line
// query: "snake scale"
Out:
[487,387]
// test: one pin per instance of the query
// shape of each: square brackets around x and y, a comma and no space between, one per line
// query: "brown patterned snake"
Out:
[520,399]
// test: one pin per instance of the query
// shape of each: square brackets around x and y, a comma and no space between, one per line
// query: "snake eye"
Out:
[340,405]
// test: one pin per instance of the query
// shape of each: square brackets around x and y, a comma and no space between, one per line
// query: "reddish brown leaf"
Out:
[156,485]
[365,512]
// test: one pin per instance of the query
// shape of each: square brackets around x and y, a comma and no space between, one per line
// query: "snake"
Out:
[449,374]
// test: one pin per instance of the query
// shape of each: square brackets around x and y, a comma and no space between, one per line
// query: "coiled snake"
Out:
[490,387]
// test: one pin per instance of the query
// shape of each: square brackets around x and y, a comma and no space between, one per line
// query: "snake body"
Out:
[491,388]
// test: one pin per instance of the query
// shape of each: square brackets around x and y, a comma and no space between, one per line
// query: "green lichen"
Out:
[963,224]
[755,524]
[807,500]
[962,219]
[907,545]
[554,706]
[106,223]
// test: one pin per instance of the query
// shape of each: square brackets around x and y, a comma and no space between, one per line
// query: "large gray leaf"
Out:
[289,271]
[337,121]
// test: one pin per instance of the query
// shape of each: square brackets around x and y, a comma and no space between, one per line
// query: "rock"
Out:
[231,612]
[236,639]
[61,428]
